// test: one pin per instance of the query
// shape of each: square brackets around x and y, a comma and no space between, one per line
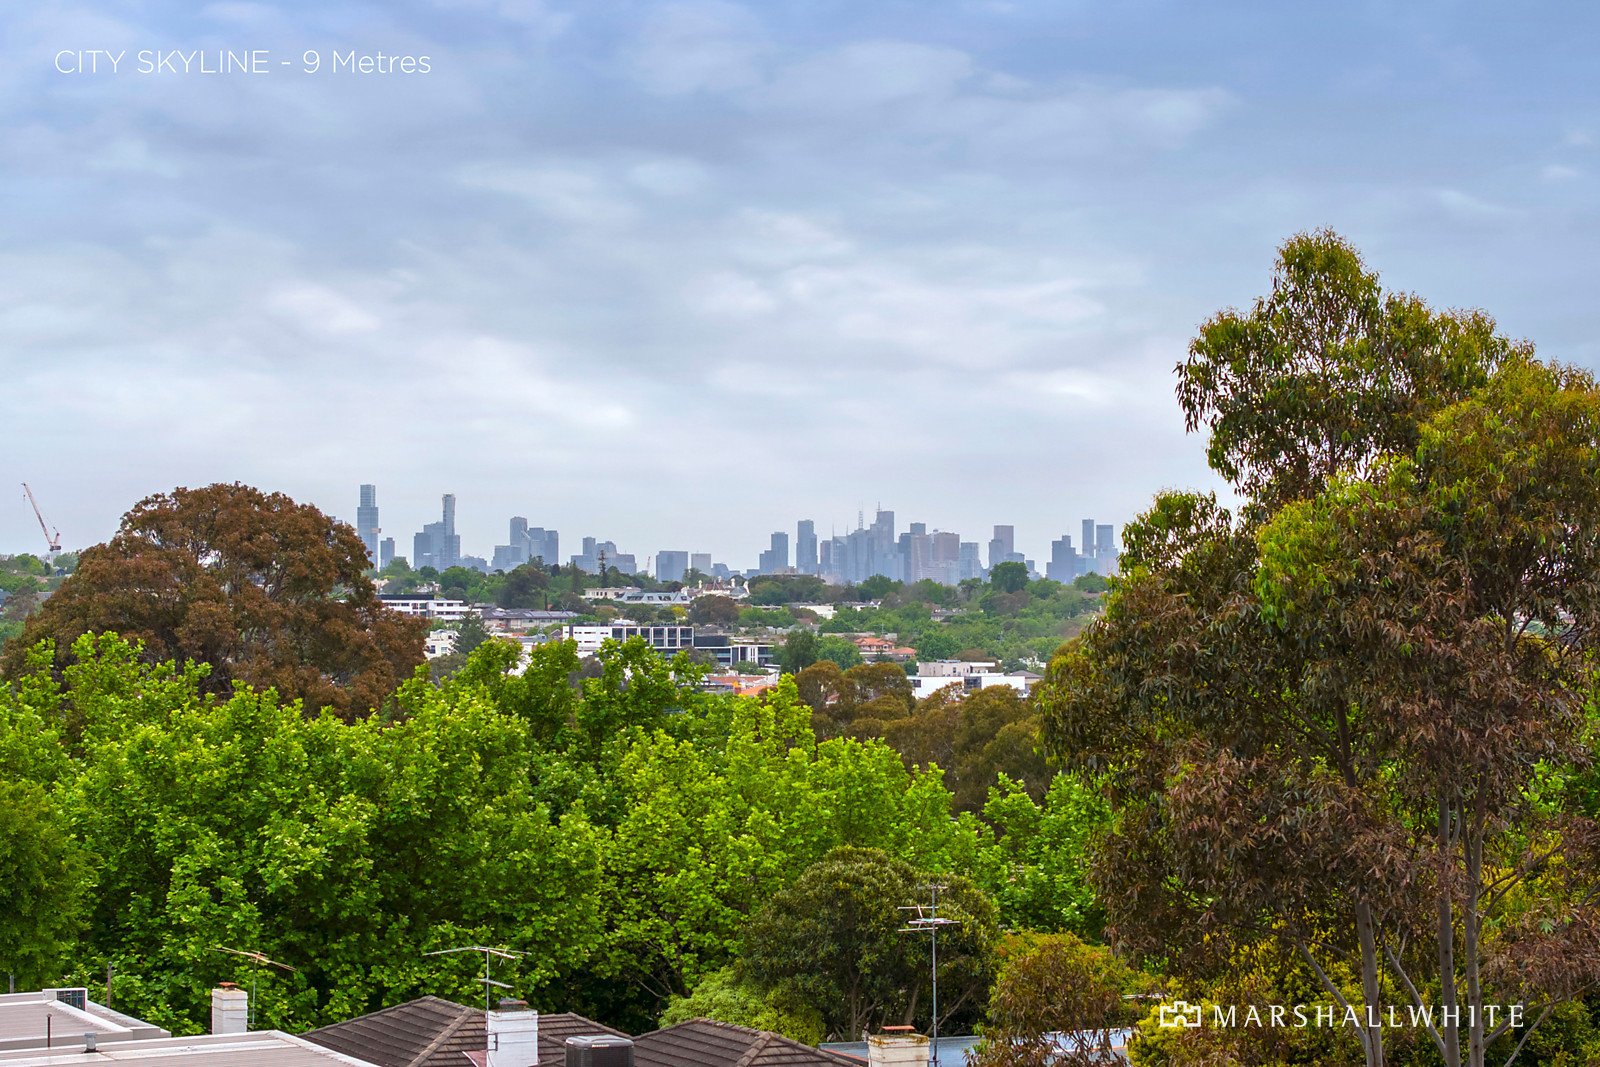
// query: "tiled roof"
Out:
[707,1043]
[427,1032]
[431,1032]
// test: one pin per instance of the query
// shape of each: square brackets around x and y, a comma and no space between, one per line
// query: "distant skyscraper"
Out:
[1002,546]
[971,560]
[775,560]
[700,561]
[1063,565]
[438,545]
[805,547]
[1105,551]
[670,565]
[1087,548]
[385,552]
[367,521]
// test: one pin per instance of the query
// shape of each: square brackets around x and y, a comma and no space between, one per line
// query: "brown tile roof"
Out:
[707,1043]
[432,1032]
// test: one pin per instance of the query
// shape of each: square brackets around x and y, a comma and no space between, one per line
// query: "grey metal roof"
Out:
[262,1048]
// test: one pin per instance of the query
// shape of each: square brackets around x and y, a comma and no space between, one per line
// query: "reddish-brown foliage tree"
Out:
[264,590]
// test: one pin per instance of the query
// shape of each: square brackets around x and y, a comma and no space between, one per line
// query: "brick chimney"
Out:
[230,1009]
[513,1035]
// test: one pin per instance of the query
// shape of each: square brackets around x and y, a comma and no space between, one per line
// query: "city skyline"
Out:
[718,263]
[922,555]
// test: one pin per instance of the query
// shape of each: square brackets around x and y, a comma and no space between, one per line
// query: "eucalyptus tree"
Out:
[1339,719]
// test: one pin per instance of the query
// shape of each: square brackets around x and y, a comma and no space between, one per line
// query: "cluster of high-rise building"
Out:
[918,554]
[912,555]
[1097,556]
[527,543]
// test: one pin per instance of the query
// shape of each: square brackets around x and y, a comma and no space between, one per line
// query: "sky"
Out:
[679,273]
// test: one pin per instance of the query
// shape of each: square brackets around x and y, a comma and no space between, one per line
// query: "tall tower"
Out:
[1002,546]
[805,547]
[367,521]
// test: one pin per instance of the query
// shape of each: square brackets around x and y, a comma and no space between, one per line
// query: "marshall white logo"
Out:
[1180,1014]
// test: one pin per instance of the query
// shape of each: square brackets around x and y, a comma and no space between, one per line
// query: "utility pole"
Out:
[489,956]
[928,921]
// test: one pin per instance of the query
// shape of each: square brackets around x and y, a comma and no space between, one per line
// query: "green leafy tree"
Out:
[1009,577]
[1037,866]
[937,644]
[723,996]
[526,586]
[1090,583]
[713,611]
[800,650]
[45,880]
[840,651]
[876,587]
[833,939]
[1055,984]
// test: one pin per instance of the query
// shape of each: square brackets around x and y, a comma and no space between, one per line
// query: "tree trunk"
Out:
[1449,1001]
[1371,991]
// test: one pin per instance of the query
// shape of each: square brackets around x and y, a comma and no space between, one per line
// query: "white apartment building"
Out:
[433,608]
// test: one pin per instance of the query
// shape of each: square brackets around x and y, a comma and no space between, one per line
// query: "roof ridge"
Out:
[756,1048]
[462,1016]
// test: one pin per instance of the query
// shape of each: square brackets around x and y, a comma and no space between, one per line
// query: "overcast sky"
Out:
[677,274]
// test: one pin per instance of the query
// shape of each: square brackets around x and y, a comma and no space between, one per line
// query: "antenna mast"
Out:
[53,539]
[259,960]
[489,955]
[928,921]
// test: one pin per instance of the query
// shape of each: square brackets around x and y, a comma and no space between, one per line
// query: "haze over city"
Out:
[677,274]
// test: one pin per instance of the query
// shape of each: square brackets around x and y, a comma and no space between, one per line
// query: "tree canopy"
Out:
[1335,724]
[257,587]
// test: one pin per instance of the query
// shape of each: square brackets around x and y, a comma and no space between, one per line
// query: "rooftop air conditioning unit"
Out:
[599,1050]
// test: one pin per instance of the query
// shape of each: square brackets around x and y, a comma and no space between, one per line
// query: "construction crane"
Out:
[52,538]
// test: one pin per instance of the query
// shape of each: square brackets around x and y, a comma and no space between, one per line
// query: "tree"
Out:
[713,611]
[833,940]
[1009,577]
[525,586]
[44,884]
[876,587]
[800,650]
[839,650]
[936,644]
[263,590]
[1055,984]
[1331,725]
[1090,583]
[724,996]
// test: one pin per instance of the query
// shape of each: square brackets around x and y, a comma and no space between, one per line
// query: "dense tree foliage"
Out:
[1338,724]
[44,877]
[1056,1003]
[259,588]
[835,938]
[620,824]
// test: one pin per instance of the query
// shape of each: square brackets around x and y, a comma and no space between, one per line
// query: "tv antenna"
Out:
[260,960]
[489,956]
[928,921]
